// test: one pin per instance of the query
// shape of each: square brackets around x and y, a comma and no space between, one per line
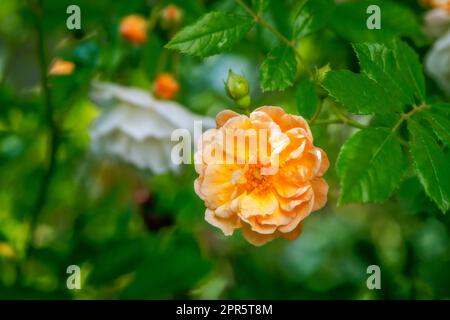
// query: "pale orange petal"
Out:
[226,225]
[320,188]
[302,211]
[289,187]
[223,116]
[324,163]
[217,187]
[230,208]
[294,234]
[256,238]
[258,204]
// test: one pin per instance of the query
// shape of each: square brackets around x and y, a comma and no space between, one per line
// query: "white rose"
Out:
[437,62]
[137,128]
[437,22]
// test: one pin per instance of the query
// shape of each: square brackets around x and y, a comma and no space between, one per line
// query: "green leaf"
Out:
[359,94]
[370,166]
[431,165]
[439,121]
[213,33]
[260,5]
[306,98]
[409,64]
[312,16]
[378,62]
[279,69]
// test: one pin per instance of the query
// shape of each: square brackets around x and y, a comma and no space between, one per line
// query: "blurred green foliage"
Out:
[137,235]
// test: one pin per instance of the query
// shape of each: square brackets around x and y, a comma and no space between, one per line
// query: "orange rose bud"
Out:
[61,67]
[260,173]
[171,16]
[166,86]
[133,28]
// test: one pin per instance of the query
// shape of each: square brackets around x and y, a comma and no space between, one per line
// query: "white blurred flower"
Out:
[437,22]
[137,128]
[437,62]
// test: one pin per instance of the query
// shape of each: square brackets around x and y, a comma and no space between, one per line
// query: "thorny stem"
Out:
[260,20]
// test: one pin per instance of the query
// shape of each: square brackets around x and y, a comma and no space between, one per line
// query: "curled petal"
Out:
[226,225]
[255,238]
[320,188]
[223,116]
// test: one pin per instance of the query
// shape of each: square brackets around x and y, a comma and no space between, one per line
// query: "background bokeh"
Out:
[135,234]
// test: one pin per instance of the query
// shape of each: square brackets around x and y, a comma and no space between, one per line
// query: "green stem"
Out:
[153,19]
[321,122]
[316,113]
[52,143]
[346,119]
[260,20]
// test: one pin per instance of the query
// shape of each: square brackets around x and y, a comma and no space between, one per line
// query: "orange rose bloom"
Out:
[265,188]
[133,28]
[61,67]
[166,86]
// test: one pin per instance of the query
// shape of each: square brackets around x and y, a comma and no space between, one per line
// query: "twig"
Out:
[408,115]
[260,20]
[346,119]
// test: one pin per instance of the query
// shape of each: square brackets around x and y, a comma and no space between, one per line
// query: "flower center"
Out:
[255,180]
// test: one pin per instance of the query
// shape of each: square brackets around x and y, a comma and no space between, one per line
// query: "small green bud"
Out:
[244,102]
[236,86]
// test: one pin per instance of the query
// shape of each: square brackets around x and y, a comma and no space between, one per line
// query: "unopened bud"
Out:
[171,17]
[236,86]
[133,28]
[166,86]
[61,67]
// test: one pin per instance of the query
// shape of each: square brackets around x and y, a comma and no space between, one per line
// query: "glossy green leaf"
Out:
[440,122]
[312,16]
[306,98]
[359,94]
[370,165]
[431,164]
[260,5]
[409,65]
[377,61]
[279,69]
[213,33]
